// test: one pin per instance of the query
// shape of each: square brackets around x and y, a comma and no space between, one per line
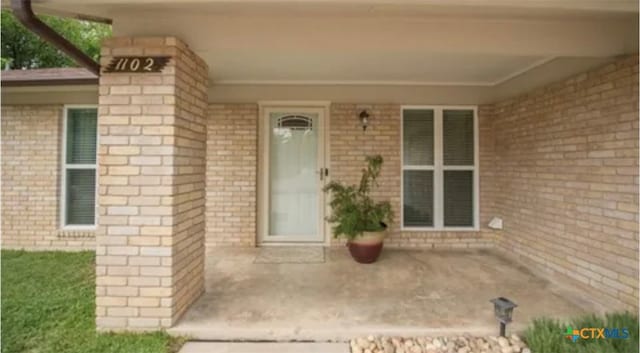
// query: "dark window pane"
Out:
[458,198]
[81,136]
[417,137]
[457,137]
[81,194]
[418,198]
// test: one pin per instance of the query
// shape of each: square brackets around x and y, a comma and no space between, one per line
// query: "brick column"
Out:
[150,240]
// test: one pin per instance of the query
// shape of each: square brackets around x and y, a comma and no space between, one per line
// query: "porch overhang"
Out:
[505,46]
[48,77]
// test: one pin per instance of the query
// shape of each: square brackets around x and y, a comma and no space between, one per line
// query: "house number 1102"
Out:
[139,64]
[134,64]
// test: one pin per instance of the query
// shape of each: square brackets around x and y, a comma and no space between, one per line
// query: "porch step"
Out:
[264,347]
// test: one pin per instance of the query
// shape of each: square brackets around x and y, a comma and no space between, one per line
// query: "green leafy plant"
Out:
[353,209]
[546,335]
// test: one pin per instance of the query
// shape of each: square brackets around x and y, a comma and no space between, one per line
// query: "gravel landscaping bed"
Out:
[456,344]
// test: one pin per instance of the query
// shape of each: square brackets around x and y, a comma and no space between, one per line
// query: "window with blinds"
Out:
[458,198]
[79,186]
[418,198]
[418,137]
[457,137]
[439,177]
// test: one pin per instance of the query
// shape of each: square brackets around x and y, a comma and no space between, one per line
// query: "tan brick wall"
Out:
[192,82]
[349,145]
[152,144]
[31,170]
[232,150]
[566,160]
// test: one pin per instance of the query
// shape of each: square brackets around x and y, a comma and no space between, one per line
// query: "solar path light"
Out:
[503,309]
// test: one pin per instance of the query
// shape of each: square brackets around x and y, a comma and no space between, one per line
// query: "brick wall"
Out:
[232,154]
[566,160]
[31,170]
[349,145]
[232,161]
[150,239]
[192,82]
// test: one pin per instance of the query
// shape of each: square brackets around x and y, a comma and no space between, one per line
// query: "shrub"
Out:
[549,336]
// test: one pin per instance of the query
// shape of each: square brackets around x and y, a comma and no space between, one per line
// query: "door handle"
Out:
[323,173]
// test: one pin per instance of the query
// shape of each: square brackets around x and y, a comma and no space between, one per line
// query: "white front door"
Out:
[293,171]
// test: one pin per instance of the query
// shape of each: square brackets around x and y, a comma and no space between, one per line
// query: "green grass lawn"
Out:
[48,305]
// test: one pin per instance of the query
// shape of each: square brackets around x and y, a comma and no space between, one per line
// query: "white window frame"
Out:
[65,167]
[438,168]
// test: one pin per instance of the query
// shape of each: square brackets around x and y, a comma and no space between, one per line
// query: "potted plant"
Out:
[357,217]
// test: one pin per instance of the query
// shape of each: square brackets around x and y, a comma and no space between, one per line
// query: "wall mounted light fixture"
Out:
[364,119]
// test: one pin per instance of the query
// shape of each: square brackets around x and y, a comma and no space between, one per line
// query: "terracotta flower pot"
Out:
[366,248]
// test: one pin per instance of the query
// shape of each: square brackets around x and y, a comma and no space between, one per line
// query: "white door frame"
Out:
[265,107]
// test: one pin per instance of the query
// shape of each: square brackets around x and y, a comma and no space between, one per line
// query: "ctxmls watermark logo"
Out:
[587,333]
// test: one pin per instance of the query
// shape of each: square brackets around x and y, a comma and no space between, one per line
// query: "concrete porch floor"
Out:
[407,292]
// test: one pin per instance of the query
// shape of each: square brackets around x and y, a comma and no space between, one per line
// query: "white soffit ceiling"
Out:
[367,42]
[365,67]
[315,46]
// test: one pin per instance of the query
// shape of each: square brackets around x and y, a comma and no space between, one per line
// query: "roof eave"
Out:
[45,82]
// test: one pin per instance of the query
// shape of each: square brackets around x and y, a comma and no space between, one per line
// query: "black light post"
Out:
[503,309]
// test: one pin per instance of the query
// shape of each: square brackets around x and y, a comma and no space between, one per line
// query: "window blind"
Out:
[418,137]
[418,198]
[438,169]
[457,137]
[81,193]
[81,136]
[458,198]
[80,166]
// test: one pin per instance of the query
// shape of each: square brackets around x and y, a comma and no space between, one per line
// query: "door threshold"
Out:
[290,243]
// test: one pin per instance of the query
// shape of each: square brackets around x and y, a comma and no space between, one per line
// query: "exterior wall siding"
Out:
[31,171]
[566,160]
